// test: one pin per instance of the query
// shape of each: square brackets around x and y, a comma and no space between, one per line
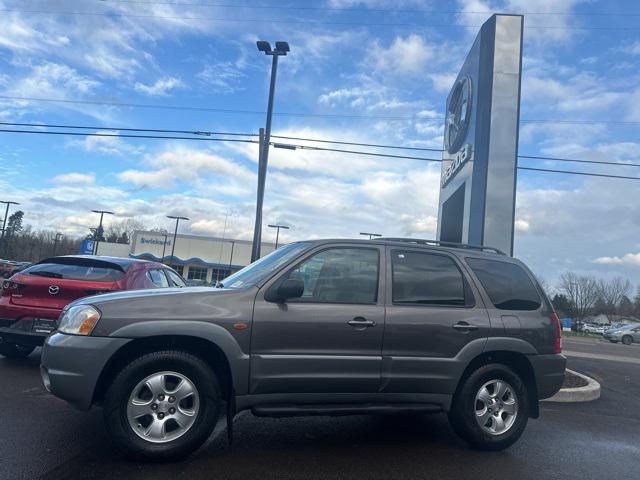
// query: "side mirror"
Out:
[290,288]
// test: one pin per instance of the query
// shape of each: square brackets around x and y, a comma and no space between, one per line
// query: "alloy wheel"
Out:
[163,407]
[496,407]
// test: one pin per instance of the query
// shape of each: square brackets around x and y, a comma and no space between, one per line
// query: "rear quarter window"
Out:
[507,284]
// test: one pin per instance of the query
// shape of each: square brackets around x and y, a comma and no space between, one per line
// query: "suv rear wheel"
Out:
[162,406]
[12,350]
[491,409]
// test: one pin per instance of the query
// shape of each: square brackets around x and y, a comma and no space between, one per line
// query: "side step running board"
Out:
[287,410]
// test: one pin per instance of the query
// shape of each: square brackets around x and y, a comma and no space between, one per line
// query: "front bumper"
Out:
[549,373]
[72,364]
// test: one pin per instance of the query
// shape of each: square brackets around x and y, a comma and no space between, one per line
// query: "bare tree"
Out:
[582,291]
[612,291]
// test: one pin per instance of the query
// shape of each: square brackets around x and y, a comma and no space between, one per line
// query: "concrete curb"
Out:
[588,393]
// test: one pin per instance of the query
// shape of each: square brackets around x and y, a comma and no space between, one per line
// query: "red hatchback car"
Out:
[32,299]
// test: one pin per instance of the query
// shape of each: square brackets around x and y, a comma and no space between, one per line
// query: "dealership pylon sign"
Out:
[478,182]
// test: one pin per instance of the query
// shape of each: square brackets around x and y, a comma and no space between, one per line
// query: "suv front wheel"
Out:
[162,406]
[491,409]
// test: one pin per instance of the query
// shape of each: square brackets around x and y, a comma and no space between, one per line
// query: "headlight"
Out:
[79,320]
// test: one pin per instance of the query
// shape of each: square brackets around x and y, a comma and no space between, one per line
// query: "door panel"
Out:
[308,345]
[421,340]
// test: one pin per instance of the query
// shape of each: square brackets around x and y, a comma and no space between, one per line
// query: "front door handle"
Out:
[361,322]
[465,327]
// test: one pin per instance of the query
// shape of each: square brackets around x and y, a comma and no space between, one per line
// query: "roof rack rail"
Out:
[443,243]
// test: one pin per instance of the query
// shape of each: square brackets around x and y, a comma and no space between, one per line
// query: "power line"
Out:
[316,140]
[124,135]
[408,116]
[601,162]
[302,147]
[127,129]
[382,10]
[304,22]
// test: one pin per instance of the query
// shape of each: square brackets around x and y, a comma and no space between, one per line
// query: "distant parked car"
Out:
[593,329]
[32,299]
[627,335]
[9,267]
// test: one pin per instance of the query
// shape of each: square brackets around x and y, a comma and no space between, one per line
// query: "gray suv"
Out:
[320,327]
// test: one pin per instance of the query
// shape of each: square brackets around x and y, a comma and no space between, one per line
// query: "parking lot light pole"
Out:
[175,233]
[97,240]
[263,155]
[371,235]
[278,231]
[55,242]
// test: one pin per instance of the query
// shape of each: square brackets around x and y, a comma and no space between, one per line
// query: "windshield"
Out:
[262,268]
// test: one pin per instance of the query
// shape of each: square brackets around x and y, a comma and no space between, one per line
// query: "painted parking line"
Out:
[599,356]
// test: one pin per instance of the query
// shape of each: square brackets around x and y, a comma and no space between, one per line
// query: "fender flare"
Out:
[219,336]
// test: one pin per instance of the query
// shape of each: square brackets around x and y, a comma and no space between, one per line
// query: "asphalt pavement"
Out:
[42,437]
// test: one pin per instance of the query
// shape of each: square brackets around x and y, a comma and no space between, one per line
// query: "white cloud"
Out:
[224,77]
[160,88]
[632,259]
[182,164]
[405,56]
[75,178]
[108,145]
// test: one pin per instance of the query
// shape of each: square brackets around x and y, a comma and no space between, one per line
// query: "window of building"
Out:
[178,268]
[340,275]
[426,279]
[197,273]
[507,284]
[158,278]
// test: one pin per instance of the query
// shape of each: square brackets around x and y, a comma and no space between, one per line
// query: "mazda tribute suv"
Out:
[319,327]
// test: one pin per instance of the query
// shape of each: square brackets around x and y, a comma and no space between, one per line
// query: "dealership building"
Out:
[195,257]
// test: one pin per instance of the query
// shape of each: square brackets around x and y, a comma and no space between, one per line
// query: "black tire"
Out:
[462,415]
[117,397]
[627,339]
[12,350]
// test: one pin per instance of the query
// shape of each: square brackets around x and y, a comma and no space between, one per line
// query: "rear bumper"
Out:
[549,373]
[72,364]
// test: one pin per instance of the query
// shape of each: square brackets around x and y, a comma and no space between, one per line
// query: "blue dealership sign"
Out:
[86,247]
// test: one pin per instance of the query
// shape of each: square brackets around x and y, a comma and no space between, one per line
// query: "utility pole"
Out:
[278,227]
[55,242]
[175,234]
[99,230]
[263,155]
[4,223]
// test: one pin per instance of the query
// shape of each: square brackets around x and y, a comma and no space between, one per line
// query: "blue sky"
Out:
[372,60]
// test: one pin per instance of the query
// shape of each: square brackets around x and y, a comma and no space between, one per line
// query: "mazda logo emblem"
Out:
[54,289]
[458,114]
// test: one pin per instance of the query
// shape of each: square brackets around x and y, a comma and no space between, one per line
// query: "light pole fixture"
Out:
[55,242]
[97,240]
[175,233]
[282,48]
[278,227]
[371,235]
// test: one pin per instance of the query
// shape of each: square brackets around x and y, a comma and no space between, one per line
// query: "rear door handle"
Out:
[361,322]
[465,327]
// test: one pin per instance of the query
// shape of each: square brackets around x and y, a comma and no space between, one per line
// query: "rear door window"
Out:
[507,284]
[175,278]
[426,279]
[75,272]
[158,278]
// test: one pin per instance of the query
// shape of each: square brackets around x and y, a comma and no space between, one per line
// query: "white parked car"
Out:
[593,329]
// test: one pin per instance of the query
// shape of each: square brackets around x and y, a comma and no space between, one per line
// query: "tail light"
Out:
[10,287]
[558,333]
